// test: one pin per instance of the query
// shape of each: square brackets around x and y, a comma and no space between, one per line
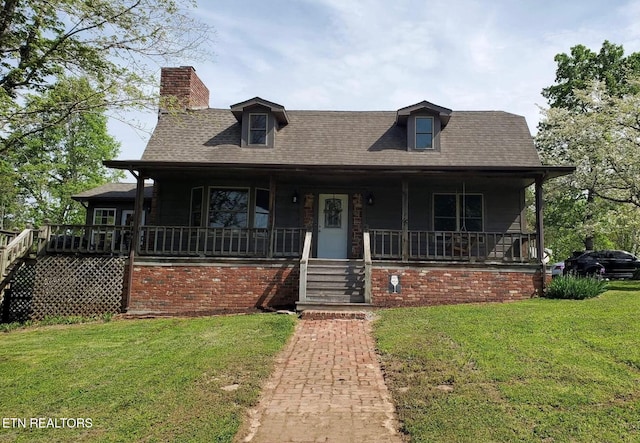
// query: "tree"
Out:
[583,66]
[113,44]
[63,159]
[590,124]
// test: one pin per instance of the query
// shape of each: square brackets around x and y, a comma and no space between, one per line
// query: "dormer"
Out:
[260,120]
[424,122]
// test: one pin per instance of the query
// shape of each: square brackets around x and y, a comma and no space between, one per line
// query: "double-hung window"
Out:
[102,238]
[456,212]
[424,133]
[257,129]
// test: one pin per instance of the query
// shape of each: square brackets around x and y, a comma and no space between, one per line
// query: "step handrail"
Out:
[367,267]
[13,251]
[304,264]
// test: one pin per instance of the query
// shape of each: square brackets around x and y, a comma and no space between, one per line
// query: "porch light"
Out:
[294,197]
[371,199]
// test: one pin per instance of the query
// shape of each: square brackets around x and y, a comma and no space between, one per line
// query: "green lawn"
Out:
[143,380]
[540,370]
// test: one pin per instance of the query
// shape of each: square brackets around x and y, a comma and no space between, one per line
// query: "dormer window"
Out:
[424,133]
[258,129]
[259,121]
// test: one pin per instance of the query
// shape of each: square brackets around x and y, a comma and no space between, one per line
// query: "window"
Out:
[261,209]
[424,132]
[332,210]
[228,208]
[195,218]
[103,238]
[257,129]
[456,212]
[102,216]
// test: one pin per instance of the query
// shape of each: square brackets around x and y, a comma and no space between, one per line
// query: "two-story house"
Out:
[261,206]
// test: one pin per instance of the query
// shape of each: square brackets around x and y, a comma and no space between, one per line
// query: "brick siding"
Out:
[184,289]
[438,286]
[184,86]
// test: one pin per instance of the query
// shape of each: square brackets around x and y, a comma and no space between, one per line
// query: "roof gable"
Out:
[277,110]
[443,113]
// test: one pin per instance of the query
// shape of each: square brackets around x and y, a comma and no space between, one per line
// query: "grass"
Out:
[535,371]
[144,380]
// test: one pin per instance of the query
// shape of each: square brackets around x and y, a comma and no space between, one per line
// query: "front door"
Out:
[333,225]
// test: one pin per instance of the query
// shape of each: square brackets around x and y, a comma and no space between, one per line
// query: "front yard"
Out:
[540,370]
[143,380]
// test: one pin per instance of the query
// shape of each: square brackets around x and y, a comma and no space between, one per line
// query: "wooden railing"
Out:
[448,245]
[368,290]
[87,239]
[304,264]
[12,251]
[7,236]
[175,241]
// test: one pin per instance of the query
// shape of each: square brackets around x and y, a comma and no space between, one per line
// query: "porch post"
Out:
[272,215]
[135,236]
[540,227]
[405,219]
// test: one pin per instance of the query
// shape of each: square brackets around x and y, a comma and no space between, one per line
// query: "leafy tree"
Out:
[63,159]
[592,123]
[114,44]
[583,66]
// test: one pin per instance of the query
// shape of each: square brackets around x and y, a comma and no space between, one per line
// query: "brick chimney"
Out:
[182,88]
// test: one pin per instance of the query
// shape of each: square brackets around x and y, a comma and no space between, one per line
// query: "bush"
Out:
[575,288]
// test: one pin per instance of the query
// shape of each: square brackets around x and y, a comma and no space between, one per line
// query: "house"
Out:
[261,206]
[113,203]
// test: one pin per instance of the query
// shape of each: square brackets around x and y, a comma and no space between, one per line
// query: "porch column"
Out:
[272,215]
[405,219]
[540,226]
[135,236]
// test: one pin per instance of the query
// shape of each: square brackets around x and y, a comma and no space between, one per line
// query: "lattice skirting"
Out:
[83,286]
[16,304]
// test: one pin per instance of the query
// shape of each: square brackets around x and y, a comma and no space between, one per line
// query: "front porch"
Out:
[181,270]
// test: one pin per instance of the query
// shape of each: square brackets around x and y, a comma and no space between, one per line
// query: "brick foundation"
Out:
[185,288]
[438,286]
[209,288]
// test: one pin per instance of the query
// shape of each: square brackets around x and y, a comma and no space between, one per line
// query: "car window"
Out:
[621,255]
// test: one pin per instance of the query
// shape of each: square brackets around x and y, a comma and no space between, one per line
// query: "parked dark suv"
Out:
[607,264]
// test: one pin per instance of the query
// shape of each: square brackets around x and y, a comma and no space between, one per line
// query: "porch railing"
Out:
[449,245]
[175,241]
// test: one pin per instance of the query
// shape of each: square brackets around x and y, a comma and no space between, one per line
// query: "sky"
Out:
[370,55]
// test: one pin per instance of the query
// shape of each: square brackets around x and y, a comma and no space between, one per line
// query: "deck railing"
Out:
[448,245]
[176,241]
[12,251]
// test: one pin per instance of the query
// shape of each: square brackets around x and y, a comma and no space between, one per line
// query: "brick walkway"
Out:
[327,387]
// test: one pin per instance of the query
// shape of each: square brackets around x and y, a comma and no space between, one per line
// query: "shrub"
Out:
[575,288]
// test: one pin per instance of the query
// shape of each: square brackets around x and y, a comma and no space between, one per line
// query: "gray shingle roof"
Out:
[113,191]
[343,138]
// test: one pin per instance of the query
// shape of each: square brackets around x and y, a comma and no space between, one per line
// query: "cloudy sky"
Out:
[388,54]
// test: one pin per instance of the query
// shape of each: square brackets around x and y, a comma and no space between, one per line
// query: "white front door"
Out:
[333,225]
